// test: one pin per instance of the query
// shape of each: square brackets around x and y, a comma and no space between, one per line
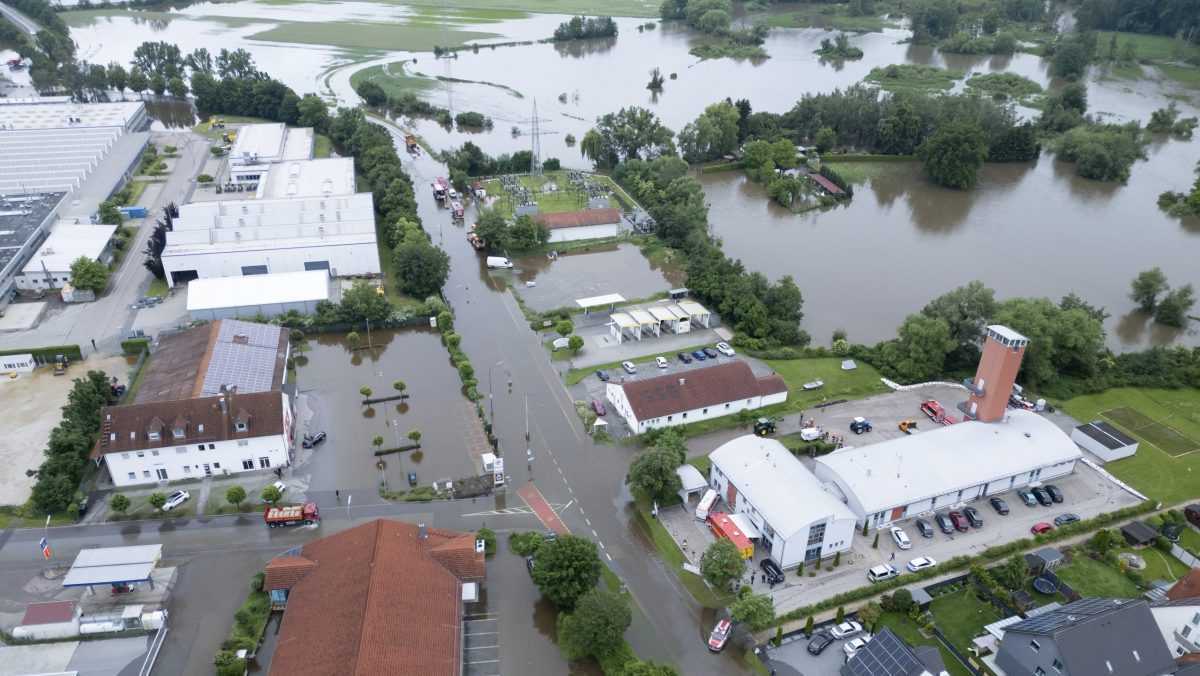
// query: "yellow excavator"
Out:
[908,426]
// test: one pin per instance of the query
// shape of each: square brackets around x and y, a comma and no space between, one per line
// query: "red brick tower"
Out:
[1003,349]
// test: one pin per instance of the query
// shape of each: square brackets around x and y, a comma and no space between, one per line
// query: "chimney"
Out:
[422,532]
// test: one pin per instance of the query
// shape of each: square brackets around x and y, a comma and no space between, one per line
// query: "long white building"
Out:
[256,237]
[259,146]
[797,518]
[948,466]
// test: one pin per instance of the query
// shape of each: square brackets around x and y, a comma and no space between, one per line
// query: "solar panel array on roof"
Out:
[244,356]
[1115,433]
[885,655]
[1068,615]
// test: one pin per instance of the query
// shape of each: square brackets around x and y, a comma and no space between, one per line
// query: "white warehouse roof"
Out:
[67,243]
[944,460]
[309,178]
[63,115]
[278,288]
[781,488]
[259,140]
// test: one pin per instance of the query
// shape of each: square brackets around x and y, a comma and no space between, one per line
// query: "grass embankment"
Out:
[322,146]
[393,78]
[913,78]
[1166,423]
[414,36]
[14,517]
[835,16]
[1176,59]
[158,288]
[674,559]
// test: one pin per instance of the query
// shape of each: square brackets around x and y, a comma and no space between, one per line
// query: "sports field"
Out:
[1167,425]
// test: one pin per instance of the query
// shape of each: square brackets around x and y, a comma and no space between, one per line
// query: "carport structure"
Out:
[647,324]
[683,321]
[608,299]
[114,566]
[621,325]
[697,313]
[667,321]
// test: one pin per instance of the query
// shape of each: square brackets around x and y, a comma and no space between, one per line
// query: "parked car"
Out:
[1042,496]
[1064,519]
[603,376]
[1055,494]
[176,499]
[710,353]
[1192,514]
[960,522]
[699,355]
[661,362]
[1041,527]
[900,537]
[860,425]
[311,440]
[846,629]
[852,647]
[944,523]
[684,357]
[924,528]
[772,573]
[280,486]
[1028,498]
[920,563]
[820,641]
[1170,531]
[412,478]
[598,407]
[973,517]
[720,635]
[882,572]
[724,349]
[629,367]
[1000,506]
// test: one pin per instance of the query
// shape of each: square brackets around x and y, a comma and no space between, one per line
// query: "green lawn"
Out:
[861,382]
[12,517]
[913,77]
[961,617]
[1170,55]
[1094,578]
[1156,473]
[393,78]
[563,199]
[907,630]
[702,463]
[322,146]
[416,37]
[1159,565]
[158,288]
[1190,540]
[861,172]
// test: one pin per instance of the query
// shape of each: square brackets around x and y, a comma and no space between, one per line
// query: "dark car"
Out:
[1064,519]
[1028,498]
[1042,497]
[598,407]
[1055,494]
[710,353]
[860,425]
[603,376]
[960,522]
[412,478]
[1192,514]
[944,523]
[820,641]
[685,357]
[311,440]
[1000,506]
[1170,531]
[973,517]
[771,571]
[83,508]
[699,355]
[924,528]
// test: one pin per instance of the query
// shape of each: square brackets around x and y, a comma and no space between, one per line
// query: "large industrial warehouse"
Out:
[796,518]
[258,237]
[918,474]
[258,295]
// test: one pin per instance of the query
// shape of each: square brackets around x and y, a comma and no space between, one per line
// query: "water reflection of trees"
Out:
[1086,188]
[172,114]
[578,49]
[1131,328]
[937,210]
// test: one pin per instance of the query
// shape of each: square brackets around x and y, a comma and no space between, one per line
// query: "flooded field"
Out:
[332,374]
[611,268]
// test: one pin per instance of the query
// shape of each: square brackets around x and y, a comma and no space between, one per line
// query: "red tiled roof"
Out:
[49,613]
[698,388]
[1187,587]
[829,186]
[574,219]
[283,572]
[377,600]
[127,428]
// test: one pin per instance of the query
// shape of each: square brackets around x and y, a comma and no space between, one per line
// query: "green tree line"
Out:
[70,443]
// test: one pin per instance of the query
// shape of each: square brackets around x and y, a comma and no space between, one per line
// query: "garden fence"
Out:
[1187,558]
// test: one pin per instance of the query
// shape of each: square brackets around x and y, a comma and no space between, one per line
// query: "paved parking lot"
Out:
[481,644]
[793,658]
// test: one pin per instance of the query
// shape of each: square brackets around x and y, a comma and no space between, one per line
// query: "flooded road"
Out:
[595,271]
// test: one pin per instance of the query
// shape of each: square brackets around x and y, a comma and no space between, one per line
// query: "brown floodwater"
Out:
[1027,229]
[332,373]
[581,273]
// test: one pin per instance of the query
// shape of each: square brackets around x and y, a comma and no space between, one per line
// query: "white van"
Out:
[706,504]
[495,262]
[881,573]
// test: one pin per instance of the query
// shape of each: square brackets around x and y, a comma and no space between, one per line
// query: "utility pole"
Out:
[535,160]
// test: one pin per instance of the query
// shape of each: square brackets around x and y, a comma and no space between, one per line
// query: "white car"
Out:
[280,486]
[176,499]
[920,563]
[724,349]
[901,538]
[661,361]
[845,629]
[629,367]
[854,646]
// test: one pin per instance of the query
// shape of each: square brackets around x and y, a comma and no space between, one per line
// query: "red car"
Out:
[1042,527]
[598,407]
[719,635]
[960,522]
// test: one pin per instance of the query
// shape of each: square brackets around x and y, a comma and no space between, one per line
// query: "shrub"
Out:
[204,178]
[489,540]
[526,543]
[135,346]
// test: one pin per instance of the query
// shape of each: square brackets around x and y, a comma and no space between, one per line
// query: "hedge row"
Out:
[990,555]
[47,354]
[135,346]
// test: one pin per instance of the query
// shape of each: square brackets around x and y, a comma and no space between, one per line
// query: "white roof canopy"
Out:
[745,525]
[691,478]
[112,565]
[693,308]
[662,314]
[642,317]
[623,320]
[600,301]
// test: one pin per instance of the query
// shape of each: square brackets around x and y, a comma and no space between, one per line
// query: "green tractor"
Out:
[765,426]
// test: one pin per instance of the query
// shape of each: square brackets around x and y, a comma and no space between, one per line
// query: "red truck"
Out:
[292,515]
[936,412]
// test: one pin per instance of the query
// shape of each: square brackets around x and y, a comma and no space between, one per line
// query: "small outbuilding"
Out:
[1139,533]
[570,226]
[1044,560]
[691,480]
[48,621]
[1105,441]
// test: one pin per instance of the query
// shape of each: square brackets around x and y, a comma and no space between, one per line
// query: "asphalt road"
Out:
[23,22]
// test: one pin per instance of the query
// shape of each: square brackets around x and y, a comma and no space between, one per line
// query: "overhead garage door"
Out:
[316,265]
[254,269]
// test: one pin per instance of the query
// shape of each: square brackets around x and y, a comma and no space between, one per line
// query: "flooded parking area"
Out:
[330,373]
[582,273]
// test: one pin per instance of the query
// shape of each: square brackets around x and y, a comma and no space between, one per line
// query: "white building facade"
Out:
[1179,624]
[198,460]
[695,395]
[797,519]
